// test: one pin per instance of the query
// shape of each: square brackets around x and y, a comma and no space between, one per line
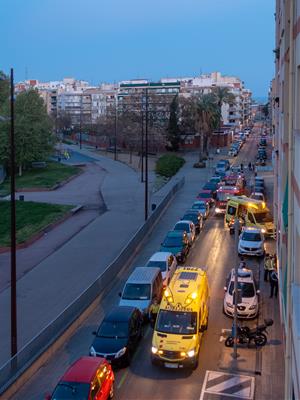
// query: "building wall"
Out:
[286,123]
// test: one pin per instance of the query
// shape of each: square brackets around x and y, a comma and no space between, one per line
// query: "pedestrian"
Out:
[242,167]
[250,166]
[274,283]
[153,311]
[268,267]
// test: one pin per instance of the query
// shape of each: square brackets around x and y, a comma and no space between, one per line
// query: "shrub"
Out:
[168,164]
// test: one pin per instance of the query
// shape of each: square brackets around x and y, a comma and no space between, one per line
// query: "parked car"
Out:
[213,187]
[203,207]
[248,298]
[188,227]
[222,166]
[257,196]
[251,242]
[196,217]
[118,335]
[166,262]
[142,286]
[216,179]
[233,151]
[177,243]
[207,196]
[88,378]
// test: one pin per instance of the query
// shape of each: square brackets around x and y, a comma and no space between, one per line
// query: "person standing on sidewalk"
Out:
[268,266]
[274,283]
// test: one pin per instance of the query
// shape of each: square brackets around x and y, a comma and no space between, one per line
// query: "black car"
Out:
[213,187]
[118,335]
[196,217]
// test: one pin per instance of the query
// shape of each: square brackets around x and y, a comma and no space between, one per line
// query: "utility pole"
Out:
[13,270]
[80,122]
[236,291]
[116,127]
[142,145]
[146,157]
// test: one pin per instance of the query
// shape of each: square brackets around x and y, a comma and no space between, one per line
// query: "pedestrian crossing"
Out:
[220,385]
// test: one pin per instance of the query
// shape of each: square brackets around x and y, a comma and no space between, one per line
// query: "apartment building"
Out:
[286,124]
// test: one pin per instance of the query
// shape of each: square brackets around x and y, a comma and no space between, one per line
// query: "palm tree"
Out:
[207,116]
[222,96]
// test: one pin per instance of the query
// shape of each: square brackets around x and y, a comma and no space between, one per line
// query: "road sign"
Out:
[227,386]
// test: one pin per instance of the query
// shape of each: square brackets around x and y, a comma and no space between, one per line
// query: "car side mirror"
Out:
[94,333]
[120,294]
[258,291]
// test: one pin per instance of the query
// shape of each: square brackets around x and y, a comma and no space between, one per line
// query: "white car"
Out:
[203,207]
[188,227]
[166,262]
[251,242]
[247,301]
[257,196]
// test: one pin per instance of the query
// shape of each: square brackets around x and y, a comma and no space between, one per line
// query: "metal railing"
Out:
[13,368]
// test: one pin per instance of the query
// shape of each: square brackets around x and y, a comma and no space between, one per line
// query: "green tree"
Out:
[207,117]
[34,140]
[222,96]
[4,90]
[173,131]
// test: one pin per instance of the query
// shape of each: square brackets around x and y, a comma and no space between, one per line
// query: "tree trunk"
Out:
[201,147]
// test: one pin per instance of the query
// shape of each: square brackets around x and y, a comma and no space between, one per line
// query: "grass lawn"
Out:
[31,218]
[46,177]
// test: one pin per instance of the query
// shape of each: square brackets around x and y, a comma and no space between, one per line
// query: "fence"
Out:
[14,368]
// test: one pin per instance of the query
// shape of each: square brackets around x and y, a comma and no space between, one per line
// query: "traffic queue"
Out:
[175,297]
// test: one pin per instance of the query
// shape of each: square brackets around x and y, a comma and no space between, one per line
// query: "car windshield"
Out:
[199,206]
[182,226]
[158,264]
[221,164]
[247,288]
[137,291]
[263,217]
[205,195]
[71,391]
[191,217]
[113,329]
[173,242]
[221,196]
[251,237]
[177,322]
[210,186]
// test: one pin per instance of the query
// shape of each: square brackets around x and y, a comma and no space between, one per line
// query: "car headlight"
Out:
[154,349]
[191,353]
[93,352]
[218,210]
[229,305]
[252,307]
[121,352]
[263,230]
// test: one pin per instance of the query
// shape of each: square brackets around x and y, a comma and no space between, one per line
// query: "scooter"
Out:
[246,335]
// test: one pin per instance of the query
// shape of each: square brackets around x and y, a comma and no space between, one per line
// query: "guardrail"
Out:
[17,365]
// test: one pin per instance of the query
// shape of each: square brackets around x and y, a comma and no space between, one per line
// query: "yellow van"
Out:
[252,212]
[181,320]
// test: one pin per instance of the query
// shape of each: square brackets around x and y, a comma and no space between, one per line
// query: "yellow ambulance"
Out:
[181,320]
[252,212]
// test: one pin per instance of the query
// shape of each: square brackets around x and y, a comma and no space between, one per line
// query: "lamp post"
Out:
[80,122]
[236,291]
[146,155]
[116,127]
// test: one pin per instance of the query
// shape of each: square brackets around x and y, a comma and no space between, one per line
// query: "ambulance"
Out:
[182,319]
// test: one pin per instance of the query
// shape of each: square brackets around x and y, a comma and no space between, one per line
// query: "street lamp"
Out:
[13,270]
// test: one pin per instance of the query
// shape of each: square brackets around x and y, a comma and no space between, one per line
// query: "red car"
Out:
[89,378]
[207,196]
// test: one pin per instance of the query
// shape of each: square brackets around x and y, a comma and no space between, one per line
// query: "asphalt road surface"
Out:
[214,249]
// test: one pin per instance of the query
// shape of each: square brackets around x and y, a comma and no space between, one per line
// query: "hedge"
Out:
[168,164]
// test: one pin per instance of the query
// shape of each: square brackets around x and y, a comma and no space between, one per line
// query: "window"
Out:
[251,218]
[231,210]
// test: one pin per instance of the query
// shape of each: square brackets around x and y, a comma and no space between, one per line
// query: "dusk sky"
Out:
[113,40]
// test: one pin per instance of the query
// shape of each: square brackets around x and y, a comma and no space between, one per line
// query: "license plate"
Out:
[171,365]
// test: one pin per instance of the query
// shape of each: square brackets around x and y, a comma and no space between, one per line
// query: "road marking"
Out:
[224,334]
[227,385]
[125,373]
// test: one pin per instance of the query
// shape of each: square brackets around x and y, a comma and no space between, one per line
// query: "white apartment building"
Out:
[286,124]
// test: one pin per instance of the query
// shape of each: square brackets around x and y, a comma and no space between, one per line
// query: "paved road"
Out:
[214,248]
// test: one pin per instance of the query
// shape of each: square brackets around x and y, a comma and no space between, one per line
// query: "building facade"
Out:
[286,126]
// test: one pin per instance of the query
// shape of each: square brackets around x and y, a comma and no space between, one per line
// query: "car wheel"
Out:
[111,392]
[195,366]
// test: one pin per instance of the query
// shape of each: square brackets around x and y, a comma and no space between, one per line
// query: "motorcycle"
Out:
[246,335]
[231,225]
